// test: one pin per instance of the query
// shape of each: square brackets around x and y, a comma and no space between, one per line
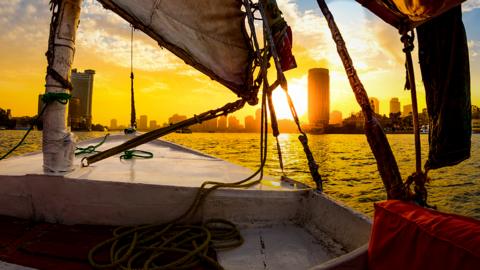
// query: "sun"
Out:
[298,92]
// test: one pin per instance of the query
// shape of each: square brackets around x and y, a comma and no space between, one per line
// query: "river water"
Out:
[346,164]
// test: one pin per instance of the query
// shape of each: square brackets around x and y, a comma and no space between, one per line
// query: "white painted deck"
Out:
[285,226]
[171,165]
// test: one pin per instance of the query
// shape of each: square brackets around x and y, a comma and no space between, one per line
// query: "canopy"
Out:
[209,35]
[408,13]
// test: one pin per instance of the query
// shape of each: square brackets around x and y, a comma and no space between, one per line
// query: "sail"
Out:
[409,12]
[209,35]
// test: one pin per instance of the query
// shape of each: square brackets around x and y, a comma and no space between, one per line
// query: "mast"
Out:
[58,142]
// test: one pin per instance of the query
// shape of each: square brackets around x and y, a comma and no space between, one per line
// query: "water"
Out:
[346,164]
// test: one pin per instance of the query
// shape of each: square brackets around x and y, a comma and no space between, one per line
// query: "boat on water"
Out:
[58,209]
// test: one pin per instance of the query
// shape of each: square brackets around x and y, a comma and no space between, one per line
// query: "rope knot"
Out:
[420,193]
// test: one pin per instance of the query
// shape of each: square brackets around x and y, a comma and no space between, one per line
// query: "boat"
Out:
[282,224]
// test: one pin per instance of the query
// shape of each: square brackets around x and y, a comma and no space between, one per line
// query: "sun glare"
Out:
[298,92]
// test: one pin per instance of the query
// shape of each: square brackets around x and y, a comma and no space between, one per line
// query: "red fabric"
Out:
[283,44]
[407,236]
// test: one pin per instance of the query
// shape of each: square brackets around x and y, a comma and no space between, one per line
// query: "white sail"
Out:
[209,35]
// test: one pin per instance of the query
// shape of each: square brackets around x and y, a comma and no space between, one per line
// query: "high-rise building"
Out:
[258,119]
[83,90]
[75,115]
[407,110]
[233,123]
[176,118]
[222,123]
[113,124]
[375,104]
[153,124]
[394,105]
[142,122]
[250,123]
[335,118]
[318,96]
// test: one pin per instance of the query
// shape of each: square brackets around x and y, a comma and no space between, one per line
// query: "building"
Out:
[222,123]
[375,104]
[113,124]
[83,90]
[153,124]
[234,123]
[176,118]
[250,124]
[142,122]
[318,97]
[335,118]
[75,115]
[407,110]
[394,105]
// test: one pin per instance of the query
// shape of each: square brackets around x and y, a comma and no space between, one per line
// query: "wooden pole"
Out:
[408,47]
[58,142]
[386,163]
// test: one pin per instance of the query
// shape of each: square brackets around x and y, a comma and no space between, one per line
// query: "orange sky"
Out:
[165,85]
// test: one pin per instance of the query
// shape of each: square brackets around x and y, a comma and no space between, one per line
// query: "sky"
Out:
[165,85]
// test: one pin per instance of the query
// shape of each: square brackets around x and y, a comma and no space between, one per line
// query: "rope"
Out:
[91,148]
[130,154]
[281,80]
[172,245]
[419,178]
[47,98]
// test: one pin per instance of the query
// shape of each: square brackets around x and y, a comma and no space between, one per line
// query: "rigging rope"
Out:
[419,178]
[47,98]
[281,80]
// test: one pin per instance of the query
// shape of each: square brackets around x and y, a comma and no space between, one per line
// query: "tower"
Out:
[83,90]
[394,105]
[318,97]
[375,105]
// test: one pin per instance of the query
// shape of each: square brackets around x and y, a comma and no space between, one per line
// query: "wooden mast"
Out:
[58,142]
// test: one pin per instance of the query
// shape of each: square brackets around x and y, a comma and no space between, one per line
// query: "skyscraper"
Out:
[394,105]
[250,123]
[113,124]
[336,117]
[153,124]
[83,90]
[375,105]
[75,115]
[222,123]
[318,96]
[142,123]
[407,109]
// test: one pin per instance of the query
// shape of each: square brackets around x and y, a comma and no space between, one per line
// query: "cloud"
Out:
[372,44]
[474,48]
[470,5]
[108,36]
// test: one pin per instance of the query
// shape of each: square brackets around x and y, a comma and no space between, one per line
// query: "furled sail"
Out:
[209,35]
[408,13]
